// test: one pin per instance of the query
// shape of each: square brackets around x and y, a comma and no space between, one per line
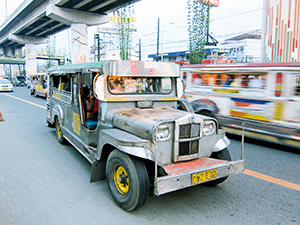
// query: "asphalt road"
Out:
[43,182]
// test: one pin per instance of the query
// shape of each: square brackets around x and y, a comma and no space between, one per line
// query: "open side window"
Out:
[88,103]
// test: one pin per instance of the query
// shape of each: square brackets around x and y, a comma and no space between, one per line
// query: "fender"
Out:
[205,104]
[57,111]
[125,142]
[222,144]
[122,141]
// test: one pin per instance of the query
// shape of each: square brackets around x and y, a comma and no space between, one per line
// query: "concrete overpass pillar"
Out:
[79,41]
[30,59]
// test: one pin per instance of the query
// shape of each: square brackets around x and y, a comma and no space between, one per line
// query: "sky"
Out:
[232,17]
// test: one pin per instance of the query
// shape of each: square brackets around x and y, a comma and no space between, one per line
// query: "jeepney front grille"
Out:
[189,135]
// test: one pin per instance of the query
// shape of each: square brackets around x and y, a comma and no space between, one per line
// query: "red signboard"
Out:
[210,2]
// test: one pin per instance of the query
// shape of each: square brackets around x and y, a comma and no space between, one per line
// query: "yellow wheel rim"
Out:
[58,129]
[121,180]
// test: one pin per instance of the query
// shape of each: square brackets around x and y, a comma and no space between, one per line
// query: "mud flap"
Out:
[98,171]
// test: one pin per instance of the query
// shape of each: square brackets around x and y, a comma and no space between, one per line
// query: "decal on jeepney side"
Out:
[115,99]
[56,95]
[229,91]
[76,123]
[251,109]
[169,98]
[278,110]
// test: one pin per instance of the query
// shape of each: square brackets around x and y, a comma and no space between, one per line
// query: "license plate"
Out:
[198,178]
[4,88]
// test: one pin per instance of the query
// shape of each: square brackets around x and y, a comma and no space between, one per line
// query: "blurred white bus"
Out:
[265,97]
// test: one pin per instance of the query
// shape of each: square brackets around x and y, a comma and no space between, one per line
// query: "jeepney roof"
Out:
[242,67]
[121,68]
[79,67]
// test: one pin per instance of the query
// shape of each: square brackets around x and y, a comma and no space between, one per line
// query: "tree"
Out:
[198,22]
[51,52]
[125,31]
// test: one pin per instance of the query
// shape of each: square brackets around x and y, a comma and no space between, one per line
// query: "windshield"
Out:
[21,78]
[133,85]
[3,81]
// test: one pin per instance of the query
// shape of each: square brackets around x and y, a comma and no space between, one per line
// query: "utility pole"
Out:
[140,50]
[98,46]
[157,46]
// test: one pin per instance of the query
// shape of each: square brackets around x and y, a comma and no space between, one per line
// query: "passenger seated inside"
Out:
[89,105]
[91,119]
[116,87]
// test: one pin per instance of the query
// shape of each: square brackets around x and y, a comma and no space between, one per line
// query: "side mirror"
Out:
[98,86]
[179,88]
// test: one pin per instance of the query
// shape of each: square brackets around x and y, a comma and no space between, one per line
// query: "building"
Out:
[281,33]
[242,48]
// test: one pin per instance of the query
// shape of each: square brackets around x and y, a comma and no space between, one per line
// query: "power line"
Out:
[238,14]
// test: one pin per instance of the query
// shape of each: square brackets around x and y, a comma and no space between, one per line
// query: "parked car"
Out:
[6,85]
[19,81]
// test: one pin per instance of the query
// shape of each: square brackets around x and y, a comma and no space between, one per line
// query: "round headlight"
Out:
[163,132]
[209,128]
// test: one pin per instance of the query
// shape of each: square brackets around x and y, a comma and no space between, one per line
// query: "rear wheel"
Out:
[127,179]
[223,155]
[59,134]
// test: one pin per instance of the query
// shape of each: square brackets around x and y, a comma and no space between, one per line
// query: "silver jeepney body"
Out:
[148,126]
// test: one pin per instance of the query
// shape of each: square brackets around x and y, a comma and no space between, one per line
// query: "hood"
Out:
[142,122]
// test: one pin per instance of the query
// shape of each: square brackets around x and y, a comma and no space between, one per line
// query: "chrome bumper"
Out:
[180,175]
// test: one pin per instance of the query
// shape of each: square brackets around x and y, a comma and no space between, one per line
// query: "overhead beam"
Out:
[69,16]
[101,5]
[21,39]
[39,27]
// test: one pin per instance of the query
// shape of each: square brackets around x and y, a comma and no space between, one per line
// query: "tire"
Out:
[127,179]
[59,134]
[224,155]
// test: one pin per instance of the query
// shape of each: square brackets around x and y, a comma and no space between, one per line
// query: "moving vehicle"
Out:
[264,98]
[137,135]
[19,81]
[6,85]
[39,85]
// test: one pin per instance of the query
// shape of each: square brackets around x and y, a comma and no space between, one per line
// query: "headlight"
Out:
[209,128]
[163,132]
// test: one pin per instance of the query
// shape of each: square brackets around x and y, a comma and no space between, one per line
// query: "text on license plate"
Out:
[204,176]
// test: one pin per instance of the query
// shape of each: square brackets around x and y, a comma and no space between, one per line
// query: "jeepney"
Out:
[38,85]
[265,97]
[138,135]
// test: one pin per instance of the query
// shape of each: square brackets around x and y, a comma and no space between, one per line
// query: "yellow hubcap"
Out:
[121,180]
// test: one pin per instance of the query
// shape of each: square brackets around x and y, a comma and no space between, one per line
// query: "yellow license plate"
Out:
[198,178]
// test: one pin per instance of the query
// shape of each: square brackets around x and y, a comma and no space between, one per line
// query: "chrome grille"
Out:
[189,135]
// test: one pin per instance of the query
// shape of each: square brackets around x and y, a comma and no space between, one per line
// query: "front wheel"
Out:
[127,179]
[223,155]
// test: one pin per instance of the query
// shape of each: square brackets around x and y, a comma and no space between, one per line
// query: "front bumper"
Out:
[180,174]
[6,89]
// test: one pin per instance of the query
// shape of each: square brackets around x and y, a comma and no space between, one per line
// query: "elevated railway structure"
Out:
[35,20]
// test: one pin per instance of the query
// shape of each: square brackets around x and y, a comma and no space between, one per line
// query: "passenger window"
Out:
[254,81]
[297,85]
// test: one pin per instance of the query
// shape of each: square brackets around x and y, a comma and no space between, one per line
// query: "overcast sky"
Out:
[230,18]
